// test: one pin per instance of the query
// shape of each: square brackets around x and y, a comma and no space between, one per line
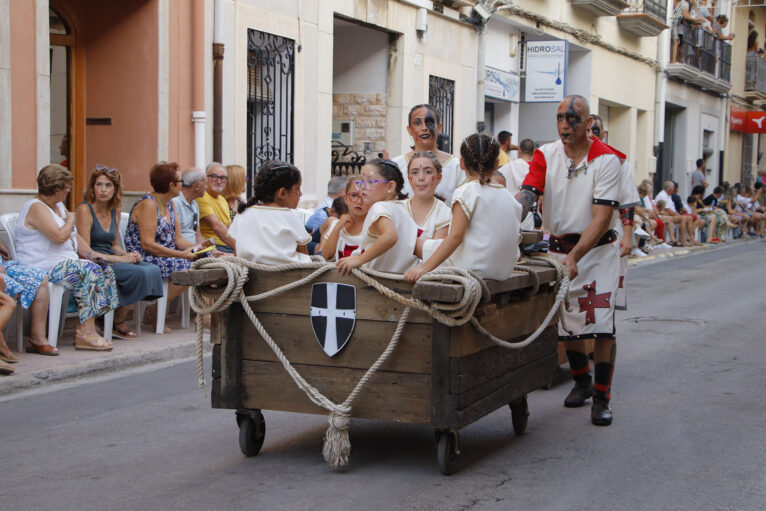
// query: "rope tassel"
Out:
[337,446]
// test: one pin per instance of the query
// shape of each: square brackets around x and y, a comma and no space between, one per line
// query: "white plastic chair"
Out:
[162,303]
[59,297]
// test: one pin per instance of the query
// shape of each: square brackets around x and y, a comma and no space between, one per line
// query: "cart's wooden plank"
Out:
[295,337]
[231,357]
[511,321]
[442,406]
[215,393]
[521,381]
[398,397]
[202,277]
[452,293]
[530,237]
[473,383]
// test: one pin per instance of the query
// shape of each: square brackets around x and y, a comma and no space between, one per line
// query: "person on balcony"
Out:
[680,33]
[721,22]
[752,43]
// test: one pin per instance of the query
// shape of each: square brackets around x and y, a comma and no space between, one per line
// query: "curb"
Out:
[688,251]
[35,379]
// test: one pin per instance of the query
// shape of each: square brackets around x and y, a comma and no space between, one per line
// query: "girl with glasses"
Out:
[424,126]
[484,234]
[389,233]
[430,214]
[346,235]
[266,230]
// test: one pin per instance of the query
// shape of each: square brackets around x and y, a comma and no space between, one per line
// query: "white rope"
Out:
[336,445]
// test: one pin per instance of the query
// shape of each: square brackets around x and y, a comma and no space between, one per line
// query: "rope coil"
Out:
[337,446]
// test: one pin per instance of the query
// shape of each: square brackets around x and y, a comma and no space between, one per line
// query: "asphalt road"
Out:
[688,430]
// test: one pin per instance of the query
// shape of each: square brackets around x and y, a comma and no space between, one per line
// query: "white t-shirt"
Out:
[269,235]
[34,249]
[490,245]
[514,172]
[568,200]
[438,217]
[452,177]
[400,257]
[663,195]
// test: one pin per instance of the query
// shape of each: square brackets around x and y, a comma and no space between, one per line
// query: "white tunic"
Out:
[452,177]
[490,244]
[269,235]
[400,257]
[514,173]
[439,216]
[34,249]
[567,209]
[629,198]
[347,243]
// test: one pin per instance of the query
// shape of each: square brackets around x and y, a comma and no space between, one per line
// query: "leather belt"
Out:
[564,244]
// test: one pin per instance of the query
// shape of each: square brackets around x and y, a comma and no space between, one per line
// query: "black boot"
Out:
[580,393]
[600,413]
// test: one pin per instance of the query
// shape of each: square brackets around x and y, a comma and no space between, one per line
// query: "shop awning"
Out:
[746,121]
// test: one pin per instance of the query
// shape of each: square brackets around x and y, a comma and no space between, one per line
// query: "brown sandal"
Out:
[6,355]
[121,331]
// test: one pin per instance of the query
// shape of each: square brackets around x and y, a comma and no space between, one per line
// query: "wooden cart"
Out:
[439,376]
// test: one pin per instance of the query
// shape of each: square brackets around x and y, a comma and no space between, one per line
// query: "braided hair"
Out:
[479,153]
[272,176]
[390,171]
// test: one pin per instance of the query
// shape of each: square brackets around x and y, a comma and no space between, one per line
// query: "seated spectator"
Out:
[234,190]
[46,238]
[193,186]
[684,223]
[30,287]
[98,222]
[154,230]
[336,187]
[716,217]
[214,210]
[696,221]
[749,206]
[729,205]
[7,306]
[663,221]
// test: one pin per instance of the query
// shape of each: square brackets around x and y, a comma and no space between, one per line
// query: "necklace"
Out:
[573,172]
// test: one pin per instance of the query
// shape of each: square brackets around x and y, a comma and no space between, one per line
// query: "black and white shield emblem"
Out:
[333,314]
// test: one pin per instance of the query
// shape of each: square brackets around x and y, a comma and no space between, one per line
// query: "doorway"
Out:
[62,141]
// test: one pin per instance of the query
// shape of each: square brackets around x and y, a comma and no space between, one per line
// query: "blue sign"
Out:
[501,84]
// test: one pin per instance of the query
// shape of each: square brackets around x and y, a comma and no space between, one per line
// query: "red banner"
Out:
[747,121]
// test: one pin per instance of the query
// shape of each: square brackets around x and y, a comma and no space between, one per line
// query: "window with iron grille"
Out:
[441,94]
[270,100]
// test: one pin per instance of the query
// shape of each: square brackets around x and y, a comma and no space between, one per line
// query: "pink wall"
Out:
[24,95]
[181,142]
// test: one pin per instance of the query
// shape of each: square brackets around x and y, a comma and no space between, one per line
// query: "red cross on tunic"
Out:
[420,232]
[622,279]
[346,252]
[592,301]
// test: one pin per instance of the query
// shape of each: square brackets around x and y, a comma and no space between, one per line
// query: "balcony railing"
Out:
[755,74]
[701,50]
[644,18]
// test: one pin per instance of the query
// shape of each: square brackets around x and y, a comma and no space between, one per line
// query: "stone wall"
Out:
[368,111]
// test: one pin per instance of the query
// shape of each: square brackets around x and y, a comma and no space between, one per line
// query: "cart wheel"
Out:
[519,415]
[447,451]
[252,430]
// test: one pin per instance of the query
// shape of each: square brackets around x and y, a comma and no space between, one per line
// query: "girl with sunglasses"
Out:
[425,126]
[389,233]
[346,235]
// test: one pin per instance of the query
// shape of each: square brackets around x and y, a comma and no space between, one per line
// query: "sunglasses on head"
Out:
[108,170]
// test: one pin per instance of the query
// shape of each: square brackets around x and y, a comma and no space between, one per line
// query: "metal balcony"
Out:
[705,60]
[755,77]
[644,18]
[602,7]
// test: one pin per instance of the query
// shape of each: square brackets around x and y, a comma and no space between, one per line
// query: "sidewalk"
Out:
[36,370]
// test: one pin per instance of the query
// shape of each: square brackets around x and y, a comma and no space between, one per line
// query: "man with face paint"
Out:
[629,199]
[579,180]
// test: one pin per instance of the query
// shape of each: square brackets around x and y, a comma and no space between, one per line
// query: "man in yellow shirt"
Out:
[214,209]
[504,139]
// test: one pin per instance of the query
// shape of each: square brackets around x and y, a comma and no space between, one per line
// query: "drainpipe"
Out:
[660,94]
[218,82]
[199,116]
[481,62]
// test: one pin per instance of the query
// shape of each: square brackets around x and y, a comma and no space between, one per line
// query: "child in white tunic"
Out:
[346,235]
[389,232]
[430,214]
[424,126]
[484,233]
[267,230]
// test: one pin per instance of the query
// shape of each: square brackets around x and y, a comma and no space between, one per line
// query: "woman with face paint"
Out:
[424,126]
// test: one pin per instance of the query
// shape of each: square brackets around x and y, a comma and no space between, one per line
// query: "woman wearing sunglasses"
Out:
[98,222]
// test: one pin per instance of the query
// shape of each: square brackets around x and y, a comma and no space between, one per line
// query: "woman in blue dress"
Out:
[98,222]
[154,230]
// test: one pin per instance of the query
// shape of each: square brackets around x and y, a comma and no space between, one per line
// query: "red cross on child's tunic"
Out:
[347,250]
[420,232]
[592,301]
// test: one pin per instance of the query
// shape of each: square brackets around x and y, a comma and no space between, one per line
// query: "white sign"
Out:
[500,84]
[546,79]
